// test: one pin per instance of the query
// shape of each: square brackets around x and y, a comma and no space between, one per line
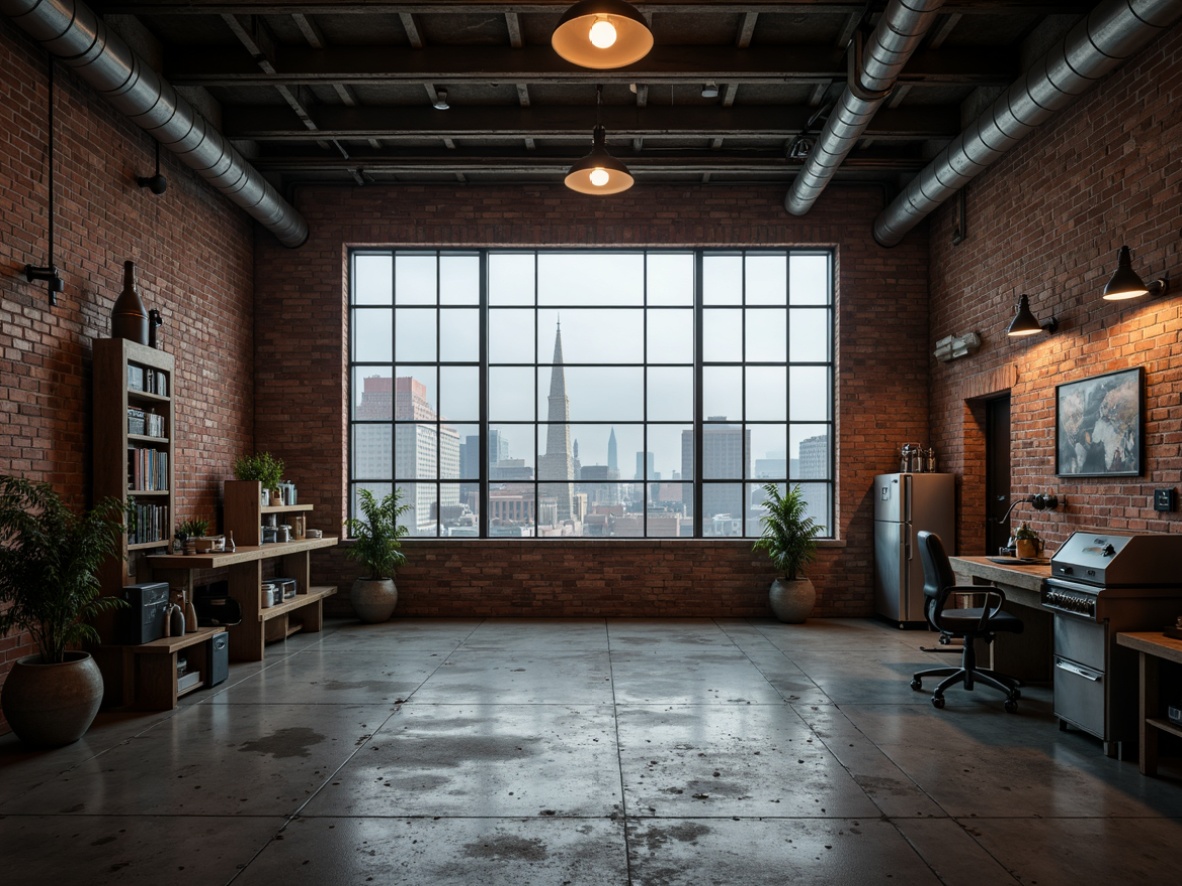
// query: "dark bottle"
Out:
[129,320]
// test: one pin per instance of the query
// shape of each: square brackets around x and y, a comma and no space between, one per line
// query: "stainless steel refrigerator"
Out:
[904,504]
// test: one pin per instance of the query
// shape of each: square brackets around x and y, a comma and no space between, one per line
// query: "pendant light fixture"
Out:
[602,34]
[1127,283]
[599,173]
[1025,323]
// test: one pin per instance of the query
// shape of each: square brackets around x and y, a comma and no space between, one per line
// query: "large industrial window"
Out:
[593,393]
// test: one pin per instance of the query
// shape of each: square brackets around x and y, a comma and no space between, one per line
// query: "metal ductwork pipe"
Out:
[1112,33]
[900,31]
[81,39]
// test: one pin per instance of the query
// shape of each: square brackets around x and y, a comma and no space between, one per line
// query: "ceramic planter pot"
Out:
[792,601]
[374,599]
[51,705]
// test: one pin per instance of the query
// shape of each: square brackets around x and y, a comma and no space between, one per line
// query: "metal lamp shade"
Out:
[572,38]
[580,176]
[1125,283]
[1024,322]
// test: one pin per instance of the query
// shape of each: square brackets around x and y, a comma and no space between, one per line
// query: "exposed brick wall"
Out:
[882,384]
[194,261]
[1048,220]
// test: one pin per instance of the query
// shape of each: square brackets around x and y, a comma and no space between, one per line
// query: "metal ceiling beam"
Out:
[557,7]
[275,123]
[539,65]
[688,163]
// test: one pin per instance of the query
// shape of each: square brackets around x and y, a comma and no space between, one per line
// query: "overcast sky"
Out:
[615,309]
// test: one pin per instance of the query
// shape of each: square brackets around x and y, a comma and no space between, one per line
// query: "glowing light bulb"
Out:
[599,176]
[603,34]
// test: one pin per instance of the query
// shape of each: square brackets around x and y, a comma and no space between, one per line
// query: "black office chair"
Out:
[978,623]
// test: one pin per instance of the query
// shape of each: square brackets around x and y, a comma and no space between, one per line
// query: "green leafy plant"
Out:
[194,527]
[789,537]
[1025,531]
[378,536]
[261,466]
[49,562]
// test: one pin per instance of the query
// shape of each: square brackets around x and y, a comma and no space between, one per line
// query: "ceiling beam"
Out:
[557,7]
[691,162]
[276,124]
[537,65]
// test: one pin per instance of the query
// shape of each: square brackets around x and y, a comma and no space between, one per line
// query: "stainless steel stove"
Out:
[1103,583]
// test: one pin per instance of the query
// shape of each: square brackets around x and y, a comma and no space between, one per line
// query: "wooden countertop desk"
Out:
[1153,647]
[1029,655]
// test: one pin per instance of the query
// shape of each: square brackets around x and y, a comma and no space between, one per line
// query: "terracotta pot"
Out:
[374,599]
[50,705]
[792,601]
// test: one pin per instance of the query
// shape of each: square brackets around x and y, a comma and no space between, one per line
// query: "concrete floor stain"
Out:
[293,741]
[504,847]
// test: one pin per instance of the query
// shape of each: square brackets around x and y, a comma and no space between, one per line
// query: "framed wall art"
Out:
[1098,425]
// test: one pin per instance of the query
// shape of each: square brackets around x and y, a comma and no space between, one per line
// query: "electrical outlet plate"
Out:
[1163,499]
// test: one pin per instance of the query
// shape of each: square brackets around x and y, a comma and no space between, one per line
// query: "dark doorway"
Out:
[997,472]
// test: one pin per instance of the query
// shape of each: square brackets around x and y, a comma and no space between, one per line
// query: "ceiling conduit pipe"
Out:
[1109,35]
[72,32]
[897,35]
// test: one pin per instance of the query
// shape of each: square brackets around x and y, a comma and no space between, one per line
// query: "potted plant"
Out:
[263,467]
[188,531]
[1027,544]
[377,538]
[49,587]
[789,540]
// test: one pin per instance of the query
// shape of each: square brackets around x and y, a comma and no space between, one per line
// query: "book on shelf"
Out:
[147,523]
[144,423]
[150,381]
[147,469]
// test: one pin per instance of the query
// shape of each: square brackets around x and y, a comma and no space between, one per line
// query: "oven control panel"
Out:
[1070,601]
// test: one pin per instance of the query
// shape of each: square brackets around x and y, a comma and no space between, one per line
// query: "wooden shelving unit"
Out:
[244,511]
[136,468]
[116,451]
[304,612]
[149,669]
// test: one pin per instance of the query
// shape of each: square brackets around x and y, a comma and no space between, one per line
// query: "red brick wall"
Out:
[882,385]
[194,260]
[1048,220]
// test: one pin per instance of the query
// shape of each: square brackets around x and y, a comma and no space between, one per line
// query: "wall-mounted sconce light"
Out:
[1025,323]
[157,183]
[602,34]
[1127,283]
[440,103]
[953,347]
[48,272]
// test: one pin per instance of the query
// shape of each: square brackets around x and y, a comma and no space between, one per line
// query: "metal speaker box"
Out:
[143,620]
[219,658]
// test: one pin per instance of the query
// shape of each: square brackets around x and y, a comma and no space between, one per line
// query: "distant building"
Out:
[556,462]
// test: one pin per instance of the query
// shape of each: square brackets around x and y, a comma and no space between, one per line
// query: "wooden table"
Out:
[1029,655]
[1152,648]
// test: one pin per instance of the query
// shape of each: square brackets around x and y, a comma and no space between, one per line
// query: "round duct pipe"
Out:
[1098,44]
[897,35]
[74,33]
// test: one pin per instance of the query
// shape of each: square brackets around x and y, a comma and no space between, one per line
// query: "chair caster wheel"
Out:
[1011,706]
[917,684]
[937,701]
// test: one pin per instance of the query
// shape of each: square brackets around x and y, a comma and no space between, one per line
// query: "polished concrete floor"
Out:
[590,753]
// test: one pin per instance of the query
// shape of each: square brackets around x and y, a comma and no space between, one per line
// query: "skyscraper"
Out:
[556,464]
[613,460]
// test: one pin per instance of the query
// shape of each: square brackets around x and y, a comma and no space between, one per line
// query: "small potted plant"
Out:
[266,469]
[789,540]
[188,531]
[377,538]
[49,587]
[1027,544]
